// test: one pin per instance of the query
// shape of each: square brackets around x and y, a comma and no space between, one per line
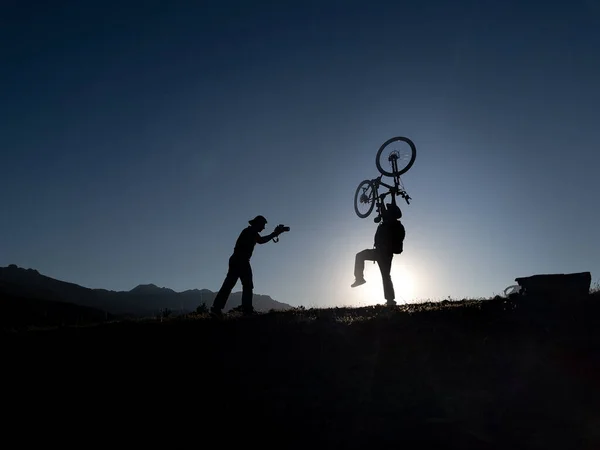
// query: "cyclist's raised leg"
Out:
[359,262]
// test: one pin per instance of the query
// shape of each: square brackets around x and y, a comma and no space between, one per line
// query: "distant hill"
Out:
[142,300]
[22,312]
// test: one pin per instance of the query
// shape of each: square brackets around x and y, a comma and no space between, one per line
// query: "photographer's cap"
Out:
[258,220]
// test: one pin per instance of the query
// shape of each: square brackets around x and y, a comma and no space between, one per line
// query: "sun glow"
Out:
[371,293]
[404,284]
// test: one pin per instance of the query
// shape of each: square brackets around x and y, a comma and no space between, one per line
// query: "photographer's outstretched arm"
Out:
[274,235]
[267,238]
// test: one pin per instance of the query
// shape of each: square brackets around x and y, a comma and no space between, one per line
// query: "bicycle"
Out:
[367,192]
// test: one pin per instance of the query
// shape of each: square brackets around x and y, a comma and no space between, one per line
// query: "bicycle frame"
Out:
[394,191]
[370,194]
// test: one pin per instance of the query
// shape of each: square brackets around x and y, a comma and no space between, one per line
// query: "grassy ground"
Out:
[481,374]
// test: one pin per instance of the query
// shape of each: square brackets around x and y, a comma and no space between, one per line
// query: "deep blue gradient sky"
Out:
[138,138]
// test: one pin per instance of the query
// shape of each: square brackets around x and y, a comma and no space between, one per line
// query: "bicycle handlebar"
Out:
[401,193]
[392,190]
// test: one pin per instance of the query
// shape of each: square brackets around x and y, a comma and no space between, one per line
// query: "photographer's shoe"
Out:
[358,282]
[249,312]
[216,313]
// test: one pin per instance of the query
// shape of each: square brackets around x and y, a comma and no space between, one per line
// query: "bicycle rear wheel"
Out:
[364,199]
[395,150]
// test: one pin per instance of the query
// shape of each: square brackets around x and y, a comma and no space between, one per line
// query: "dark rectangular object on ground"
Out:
[556,284]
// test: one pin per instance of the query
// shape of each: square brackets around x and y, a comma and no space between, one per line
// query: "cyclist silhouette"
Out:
[382,252]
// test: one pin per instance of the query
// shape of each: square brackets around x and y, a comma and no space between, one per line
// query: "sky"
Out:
[138,138]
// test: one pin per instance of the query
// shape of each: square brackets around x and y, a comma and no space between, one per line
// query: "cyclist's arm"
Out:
[377,236]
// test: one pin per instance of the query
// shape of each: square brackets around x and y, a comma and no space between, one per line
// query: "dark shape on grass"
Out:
[575,284]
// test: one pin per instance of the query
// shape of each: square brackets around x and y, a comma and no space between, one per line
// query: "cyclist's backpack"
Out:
[397,234]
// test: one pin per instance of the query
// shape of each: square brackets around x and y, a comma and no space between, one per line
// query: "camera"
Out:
[283,227]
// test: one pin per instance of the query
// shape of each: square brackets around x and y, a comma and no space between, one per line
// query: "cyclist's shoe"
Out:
[358,282]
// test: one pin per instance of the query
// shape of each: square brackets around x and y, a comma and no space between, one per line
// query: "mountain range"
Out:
[143,300]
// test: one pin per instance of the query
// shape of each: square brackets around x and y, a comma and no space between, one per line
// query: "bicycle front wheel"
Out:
[364,199]
[395,157]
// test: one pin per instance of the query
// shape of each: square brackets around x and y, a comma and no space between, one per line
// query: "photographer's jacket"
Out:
[244,246]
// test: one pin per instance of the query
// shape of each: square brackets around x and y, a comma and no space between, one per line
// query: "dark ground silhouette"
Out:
[481,374]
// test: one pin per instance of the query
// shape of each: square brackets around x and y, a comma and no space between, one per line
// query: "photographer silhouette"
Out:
[239,265]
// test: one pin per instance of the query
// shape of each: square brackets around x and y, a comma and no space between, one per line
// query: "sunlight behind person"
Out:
[405,283]
[371,293]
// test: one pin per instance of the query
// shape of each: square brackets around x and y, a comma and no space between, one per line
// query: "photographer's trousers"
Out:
[239,268]
[384,261]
